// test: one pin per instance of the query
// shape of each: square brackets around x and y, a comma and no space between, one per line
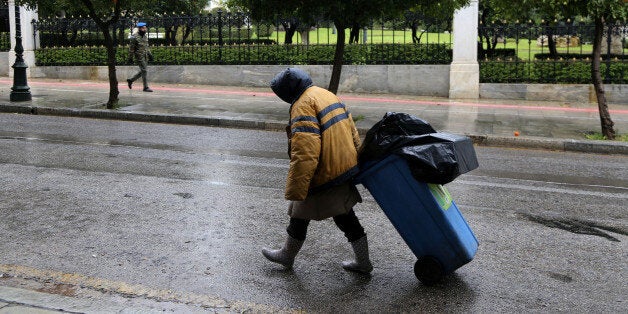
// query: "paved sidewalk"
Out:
[512,123]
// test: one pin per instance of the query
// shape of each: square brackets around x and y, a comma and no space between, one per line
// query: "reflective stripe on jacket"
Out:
[323,144]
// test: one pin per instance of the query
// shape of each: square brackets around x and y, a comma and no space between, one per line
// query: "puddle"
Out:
[578,226]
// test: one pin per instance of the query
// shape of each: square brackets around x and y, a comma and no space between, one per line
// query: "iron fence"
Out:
[508,53]
[560,53]
[233,38]
[5,40]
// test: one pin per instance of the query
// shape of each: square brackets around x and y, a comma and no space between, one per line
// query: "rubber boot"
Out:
[284,256]
[362,263]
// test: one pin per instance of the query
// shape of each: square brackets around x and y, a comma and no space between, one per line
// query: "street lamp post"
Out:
[20,90]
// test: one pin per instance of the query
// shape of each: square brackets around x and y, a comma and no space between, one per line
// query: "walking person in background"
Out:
[322,144]
[140,54]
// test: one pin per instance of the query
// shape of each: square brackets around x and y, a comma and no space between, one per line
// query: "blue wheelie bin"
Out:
[425,216]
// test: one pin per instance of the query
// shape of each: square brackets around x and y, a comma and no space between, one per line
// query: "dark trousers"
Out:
[143,72]
[347,223]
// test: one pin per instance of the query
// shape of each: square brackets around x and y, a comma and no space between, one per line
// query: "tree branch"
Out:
[92,11]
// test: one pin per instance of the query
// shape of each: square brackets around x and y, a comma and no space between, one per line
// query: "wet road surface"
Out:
[180,214]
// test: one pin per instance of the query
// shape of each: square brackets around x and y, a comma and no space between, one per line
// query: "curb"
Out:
[145,117]
[567,145]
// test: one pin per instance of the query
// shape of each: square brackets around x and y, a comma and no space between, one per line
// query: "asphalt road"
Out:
[179,214]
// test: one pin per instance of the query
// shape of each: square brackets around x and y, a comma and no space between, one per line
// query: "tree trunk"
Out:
[334,82]
[415,28]
[187,30]
[290,27]
[354,34]
[596,76]
[171,35]
[487,33]
[551,43]
[112,103]
[305,37]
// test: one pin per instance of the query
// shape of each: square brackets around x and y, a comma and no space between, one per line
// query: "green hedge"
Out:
[574,72]
[503,72]
[255,54]
[577,56]
[5,41]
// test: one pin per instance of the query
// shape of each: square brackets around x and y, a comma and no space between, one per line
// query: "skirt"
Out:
[334,201]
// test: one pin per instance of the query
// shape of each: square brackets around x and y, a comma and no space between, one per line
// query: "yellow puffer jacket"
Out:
[323,144]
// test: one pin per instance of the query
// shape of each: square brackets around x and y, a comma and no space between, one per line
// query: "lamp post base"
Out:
[21,94]
[20,90]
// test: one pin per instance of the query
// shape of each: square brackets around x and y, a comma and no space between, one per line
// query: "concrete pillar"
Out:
[464,72]
[28,40]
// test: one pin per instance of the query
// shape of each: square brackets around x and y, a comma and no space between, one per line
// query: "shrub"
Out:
[264,30]
[503,71]
[567,71]
[576,56]
[237,53]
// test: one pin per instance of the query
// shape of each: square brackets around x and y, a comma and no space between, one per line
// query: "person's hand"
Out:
[129,59]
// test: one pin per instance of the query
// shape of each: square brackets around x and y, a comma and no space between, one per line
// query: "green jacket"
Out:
[138,48]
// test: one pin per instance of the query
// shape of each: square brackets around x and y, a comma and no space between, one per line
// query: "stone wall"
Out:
[615,94]
[4,66]
[426,80]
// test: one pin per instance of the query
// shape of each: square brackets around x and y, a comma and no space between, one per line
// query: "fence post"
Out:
[464,71]
[28,42]
[220,42]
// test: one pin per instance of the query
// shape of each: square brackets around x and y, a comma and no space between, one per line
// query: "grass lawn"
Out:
[325,36]
[526,49]
[598,136]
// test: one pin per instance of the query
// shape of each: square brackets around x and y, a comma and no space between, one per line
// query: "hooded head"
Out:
[290,83]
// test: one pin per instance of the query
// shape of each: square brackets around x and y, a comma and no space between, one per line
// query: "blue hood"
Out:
[290,83]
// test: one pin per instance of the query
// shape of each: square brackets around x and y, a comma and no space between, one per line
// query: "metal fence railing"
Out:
[562,53]
[233,38]
[508,53]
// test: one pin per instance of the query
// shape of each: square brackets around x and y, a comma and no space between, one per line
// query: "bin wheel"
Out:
[428,270]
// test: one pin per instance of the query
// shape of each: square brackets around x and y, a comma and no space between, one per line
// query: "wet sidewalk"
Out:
[515,123]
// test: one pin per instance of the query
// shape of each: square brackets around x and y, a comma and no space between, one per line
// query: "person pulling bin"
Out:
[322,146]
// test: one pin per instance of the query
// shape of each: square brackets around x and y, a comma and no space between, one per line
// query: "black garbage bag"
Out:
[433,157]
